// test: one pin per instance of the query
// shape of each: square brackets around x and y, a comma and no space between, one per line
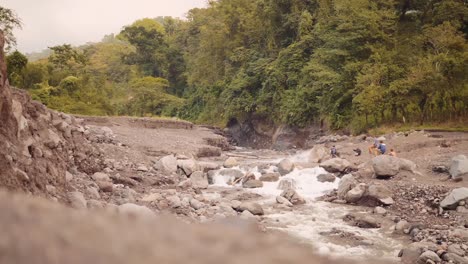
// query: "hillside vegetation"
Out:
[350,64]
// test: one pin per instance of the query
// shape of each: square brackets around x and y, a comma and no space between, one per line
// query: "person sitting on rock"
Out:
[334,152]
[373,148]
[392,153]
[357,152]
[382,147]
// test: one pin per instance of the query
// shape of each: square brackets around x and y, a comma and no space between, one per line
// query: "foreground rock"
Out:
[199,180]
[459,167]
[252,184]
[118,239]
[270,177]
[456,196]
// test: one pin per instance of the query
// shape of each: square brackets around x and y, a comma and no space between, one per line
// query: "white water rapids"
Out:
[311,222]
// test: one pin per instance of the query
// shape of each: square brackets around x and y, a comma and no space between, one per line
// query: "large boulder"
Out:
[326,177]
[252,184]
[459,167]
[270,177]
[285,166]
[254,208]
[335,165]
[380,194]
[188,166]
[452,200]
[387,166]
[199,180]
[293,197]
[318,154]
[356,193]
[169,163]
[346,184]
[286,184]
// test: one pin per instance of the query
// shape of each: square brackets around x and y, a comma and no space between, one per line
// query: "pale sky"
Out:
[54,22]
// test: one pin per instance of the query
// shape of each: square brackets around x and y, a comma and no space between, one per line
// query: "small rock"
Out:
[142,168]
[231,162]
[292,196]
[456,249]
[169,163]
[199,180]
[356,193]
[428,255]
[185,184]
[380,210]
[93,193]
[100,176]
[335,165]
[135,210]
[254,208]
[68,176]
[252,184]
[153,197]
[77,200]
[174,201]
[105,186]
[270,177]
[282,200]
[452,200]
[247,215]
[197,205]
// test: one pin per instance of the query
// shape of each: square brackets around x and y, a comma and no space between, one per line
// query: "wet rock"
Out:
[318,154]
[326,178]
[286,184]
[135,210]
[459,167]
[356,193]
[335,165]
[428,255]
[77,200]
[199,180]
[362,221]
[346,184]
[285,166]
[254,208]
[452,200]
[252,184]
[231,162]
[100,176]
[169,164]
[282,200]
[270,177]
[292,196]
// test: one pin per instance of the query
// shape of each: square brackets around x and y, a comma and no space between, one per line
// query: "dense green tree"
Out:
[16,62]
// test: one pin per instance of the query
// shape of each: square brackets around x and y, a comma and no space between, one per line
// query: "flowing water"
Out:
[318,223]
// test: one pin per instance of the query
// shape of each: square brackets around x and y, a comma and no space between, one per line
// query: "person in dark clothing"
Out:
[382,147]
[357,152]
[334,152]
